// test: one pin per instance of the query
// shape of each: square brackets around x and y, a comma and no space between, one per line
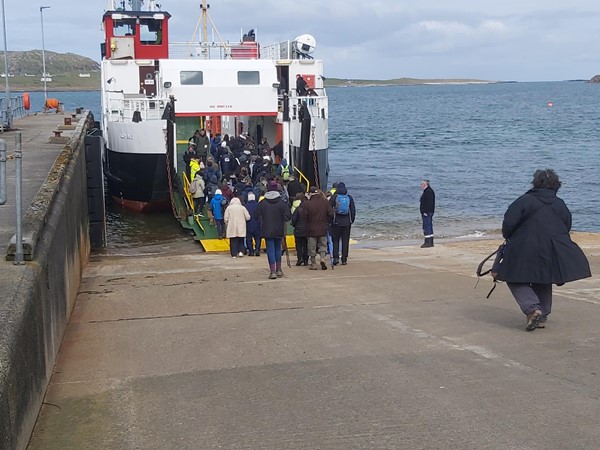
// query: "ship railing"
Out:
[143,108]
[190,200]
[302,178]
[213,50]
[278,50]
[317,106]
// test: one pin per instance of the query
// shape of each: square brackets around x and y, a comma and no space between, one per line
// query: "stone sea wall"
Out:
[34,315]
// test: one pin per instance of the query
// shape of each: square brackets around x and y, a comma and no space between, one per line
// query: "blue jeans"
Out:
[274,251]
[427,224]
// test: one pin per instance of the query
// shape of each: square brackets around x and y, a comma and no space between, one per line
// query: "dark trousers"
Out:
[253,241]
[220,227]
[340,233]
[236,245]
[531,296]
[427,225]
[301,248]
[199,205]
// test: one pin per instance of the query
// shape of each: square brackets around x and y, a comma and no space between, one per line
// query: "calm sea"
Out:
[478,144]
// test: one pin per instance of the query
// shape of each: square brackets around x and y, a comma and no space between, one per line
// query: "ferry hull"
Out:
[138,181]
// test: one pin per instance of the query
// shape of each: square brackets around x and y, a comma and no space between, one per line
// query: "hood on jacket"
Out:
[272,196]
[341,189]
[213,179]
[235,201]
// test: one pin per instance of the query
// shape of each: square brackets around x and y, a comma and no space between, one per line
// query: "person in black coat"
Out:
[299,224]
[273,213]
[427,208]
[341,225]
[539,251]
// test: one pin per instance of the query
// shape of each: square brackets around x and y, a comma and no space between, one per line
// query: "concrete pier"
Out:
[36,298]
[171,349]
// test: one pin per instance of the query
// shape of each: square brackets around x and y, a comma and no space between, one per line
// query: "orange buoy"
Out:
[26,101]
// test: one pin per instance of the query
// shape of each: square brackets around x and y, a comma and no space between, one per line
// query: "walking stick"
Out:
[330,248]
[285,247]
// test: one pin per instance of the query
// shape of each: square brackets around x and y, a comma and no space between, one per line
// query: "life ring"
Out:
[26,101]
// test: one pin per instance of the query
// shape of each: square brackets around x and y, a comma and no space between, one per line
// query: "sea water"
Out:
[478,144]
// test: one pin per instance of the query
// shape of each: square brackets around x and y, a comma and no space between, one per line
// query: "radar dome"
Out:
[305,44]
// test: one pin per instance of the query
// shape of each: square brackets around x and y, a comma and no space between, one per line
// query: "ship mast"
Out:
[204,16]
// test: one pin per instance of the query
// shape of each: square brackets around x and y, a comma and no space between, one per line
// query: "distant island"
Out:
[64,71]
[71,72]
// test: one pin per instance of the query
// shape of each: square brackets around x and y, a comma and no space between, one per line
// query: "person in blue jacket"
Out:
[216,206]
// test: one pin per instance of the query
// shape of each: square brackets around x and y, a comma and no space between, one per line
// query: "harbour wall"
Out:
[39,296]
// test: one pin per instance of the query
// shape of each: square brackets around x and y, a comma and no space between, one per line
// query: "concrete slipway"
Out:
[171,349]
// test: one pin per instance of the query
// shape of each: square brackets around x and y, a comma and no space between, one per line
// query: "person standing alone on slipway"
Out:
[539,251]
[427,210]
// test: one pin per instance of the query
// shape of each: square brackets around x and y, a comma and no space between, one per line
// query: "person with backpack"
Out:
[217,207]
[344,213]
[284,170]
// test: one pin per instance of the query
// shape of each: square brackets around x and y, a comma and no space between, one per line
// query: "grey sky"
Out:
[523,40]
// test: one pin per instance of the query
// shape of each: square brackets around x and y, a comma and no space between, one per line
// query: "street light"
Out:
[9,118]
[42,8]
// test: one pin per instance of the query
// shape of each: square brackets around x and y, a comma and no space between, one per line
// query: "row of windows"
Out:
[244,77]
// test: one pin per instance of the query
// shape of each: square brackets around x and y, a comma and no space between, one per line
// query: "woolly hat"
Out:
[251,197]
[272,186]
[313,190]
[218,192]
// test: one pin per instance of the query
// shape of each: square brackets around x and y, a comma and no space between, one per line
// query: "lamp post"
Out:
[42,8]
[9,118]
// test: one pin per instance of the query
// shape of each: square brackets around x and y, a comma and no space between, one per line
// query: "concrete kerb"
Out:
[36,215]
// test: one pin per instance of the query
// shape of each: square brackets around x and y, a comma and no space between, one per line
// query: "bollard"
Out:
[3,189]
[19,260]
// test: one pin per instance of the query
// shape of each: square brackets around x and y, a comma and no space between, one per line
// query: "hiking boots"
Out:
[323,266]
[313,266]
[533,320]
[428,243]
[541,324]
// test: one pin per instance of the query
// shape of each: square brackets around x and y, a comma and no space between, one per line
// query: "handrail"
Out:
[190,199]
[303,176]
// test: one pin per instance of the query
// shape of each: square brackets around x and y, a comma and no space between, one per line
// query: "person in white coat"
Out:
[236,216]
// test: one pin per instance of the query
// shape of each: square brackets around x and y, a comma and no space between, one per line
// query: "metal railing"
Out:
[214,50]
[18,155]
[125,109]
[17,107]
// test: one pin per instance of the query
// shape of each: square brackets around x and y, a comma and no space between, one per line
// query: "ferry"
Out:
[157,93]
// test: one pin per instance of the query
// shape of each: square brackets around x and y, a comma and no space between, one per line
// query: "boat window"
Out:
[189,77]
[124,27]
[249,77]
[150,32]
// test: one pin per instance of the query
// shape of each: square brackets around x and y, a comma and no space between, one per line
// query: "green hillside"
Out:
[25,71]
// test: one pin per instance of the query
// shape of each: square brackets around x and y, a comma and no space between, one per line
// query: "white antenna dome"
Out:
[305,44]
